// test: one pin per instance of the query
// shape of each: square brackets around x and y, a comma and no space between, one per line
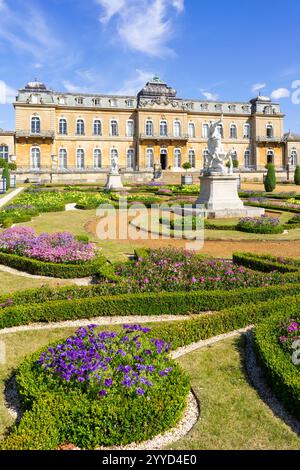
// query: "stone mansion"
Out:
[69,134]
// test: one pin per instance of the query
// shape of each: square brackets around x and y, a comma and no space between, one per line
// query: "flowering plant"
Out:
[55,248]
[263,224]
[171,270]
[289,332]
[97,363]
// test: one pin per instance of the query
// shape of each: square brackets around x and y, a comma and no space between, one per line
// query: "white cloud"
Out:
[72,88]
[210,96]
[33,35]
[143,25]
[258,86]
[7,93]
[280,93]
[110,7]
[133,85]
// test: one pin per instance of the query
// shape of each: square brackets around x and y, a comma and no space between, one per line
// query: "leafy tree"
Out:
[270,180]
[186,166]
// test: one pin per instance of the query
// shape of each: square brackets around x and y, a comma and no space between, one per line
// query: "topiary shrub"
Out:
[6,176]
[297,175]
[114,389]
[270,179]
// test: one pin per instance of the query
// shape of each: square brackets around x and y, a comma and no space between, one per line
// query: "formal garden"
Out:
[112,343]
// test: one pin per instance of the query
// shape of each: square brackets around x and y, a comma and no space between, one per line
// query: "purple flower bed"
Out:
[263,224]
[172,270]
[264,201]
[99,362]
[55,248]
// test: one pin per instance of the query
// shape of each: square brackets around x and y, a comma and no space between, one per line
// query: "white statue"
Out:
[214,161]
[114,164]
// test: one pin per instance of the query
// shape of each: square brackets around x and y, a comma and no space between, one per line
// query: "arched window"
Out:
[4,152]
[177,128]
[114,130]
[80,158]
[247,162]
[233,131]
[192,158]
[63,159]
[205,128]
[62,126]
[177,158]
[35,158]
[149,128]
[270,131]
[35,125]
[149,158]
[130,128]
[221,130]
[130,159]
[294,157]
[97,158]
[114,156]
[80,127]
[270,156]
[247,131]
[192,131]
[163,128]
[97,127]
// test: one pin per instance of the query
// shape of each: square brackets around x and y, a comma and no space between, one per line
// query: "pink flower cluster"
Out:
[55,247]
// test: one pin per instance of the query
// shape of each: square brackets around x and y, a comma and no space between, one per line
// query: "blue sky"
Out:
[222,50]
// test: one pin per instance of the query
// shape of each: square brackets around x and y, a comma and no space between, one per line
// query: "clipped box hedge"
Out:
[281,373]
[58,270]
[265,263]
[166,303]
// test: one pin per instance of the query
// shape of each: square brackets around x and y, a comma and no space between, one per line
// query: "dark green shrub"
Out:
[297,175]
[6,176]
[270,179]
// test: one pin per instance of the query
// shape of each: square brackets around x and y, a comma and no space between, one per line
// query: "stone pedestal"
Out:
[114,182]
[219,198]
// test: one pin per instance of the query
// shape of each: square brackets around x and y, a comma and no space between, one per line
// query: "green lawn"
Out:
[232,414]
[10,282]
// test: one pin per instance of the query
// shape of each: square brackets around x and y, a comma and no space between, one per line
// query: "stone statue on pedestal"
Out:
[214,162]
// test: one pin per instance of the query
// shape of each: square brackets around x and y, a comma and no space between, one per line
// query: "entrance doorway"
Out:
[164,159]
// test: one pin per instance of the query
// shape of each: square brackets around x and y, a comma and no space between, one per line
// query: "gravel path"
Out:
[4,200]
[97,321]
[85,281]
[257,379]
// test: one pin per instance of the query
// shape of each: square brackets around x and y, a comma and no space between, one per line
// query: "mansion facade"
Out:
[75,133]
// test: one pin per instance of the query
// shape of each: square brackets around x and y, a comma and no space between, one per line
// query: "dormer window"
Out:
[218,107]
[129,103]
[62,100]
[113,103]
[79,100]
[34,99]
[232,108]
[96,101]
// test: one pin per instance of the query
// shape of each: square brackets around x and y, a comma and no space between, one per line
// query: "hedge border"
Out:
[164,303]
[57,270]
[281,373]
[264,263]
